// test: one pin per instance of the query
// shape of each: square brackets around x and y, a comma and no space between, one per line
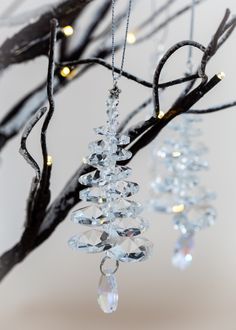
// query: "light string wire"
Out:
[113,30]
[191,36]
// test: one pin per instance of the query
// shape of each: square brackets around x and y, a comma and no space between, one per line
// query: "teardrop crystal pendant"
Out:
[182,257]
[108,293]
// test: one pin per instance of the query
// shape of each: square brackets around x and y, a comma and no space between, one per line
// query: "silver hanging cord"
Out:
[191,34]
[113,28]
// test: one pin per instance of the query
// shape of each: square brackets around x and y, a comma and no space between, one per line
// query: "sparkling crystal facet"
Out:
[134,249]
[91,241]
[90,216]
[130,227]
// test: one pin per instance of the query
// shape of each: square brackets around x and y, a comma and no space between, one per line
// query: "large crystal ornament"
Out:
[108,293]
[114,219]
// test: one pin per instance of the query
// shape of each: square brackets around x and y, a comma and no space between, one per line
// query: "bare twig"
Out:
[32,40]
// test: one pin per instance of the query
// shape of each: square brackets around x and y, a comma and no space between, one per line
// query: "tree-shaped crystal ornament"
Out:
[176,188]
[114,221]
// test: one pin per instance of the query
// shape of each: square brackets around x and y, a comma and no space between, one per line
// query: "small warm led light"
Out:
[49,160]
[188,257]
[131,38]
[161,114]
[178,208]
[176,154]
[65,71]
[68,30]
[73,73]
[221,75]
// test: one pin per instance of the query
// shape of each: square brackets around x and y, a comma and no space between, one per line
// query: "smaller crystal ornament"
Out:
[177,188]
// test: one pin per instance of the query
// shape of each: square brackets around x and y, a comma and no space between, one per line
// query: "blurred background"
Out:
[55,288]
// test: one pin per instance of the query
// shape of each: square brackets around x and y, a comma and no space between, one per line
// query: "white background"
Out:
[55,288]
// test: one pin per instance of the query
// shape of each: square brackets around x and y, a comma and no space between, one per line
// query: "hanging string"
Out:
[191,35]
[116,78]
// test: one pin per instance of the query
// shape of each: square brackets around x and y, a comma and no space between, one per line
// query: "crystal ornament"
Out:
[116,226]
[182,256]
[176,188]
[108,293]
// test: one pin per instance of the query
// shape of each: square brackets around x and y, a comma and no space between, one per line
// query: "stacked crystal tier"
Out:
[113,220]
[177,189]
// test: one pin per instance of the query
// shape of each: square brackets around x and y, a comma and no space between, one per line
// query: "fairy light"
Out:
[221,75]
[176,154]
[68,30]
[73,73]
[178,208]
[49,160]
[65,71]
[131,38]
[161,114]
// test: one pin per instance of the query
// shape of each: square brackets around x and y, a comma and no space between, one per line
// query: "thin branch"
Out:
[154,15]
[50,79]
[32,40]
[73,64]
[26,17]
[165,23]
[161,64]
[213,109]
[23,149]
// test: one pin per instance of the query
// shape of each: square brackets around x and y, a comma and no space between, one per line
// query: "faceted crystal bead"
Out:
[198,217]
[123,140]
[130,227]
[112,104]
[174,184]
[123,154]
[124,189]
[193,164]
[134,249]
[165,202]
[108,293]
[94,195]
[90,216]
[97,146]
[118,173]
[91,179]
[92,241]
[102,130]
[199,196]
[101,160]
[124,208]
[182,257]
